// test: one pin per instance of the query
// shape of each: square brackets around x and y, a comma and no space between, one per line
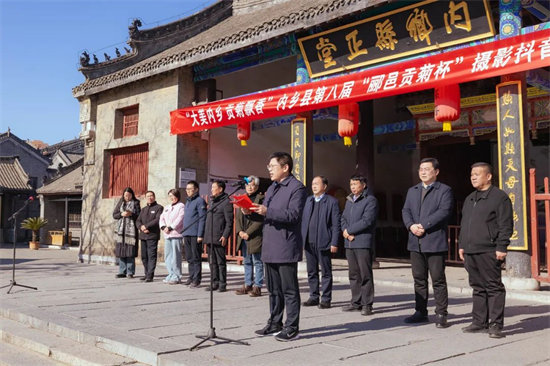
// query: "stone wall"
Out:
[156,97]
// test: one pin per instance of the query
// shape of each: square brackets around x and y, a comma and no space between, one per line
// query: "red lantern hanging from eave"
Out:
[243,132]
[348,121]
[447,105]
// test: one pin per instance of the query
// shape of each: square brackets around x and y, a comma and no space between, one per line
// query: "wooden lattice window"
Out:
[130,121]
[129,167]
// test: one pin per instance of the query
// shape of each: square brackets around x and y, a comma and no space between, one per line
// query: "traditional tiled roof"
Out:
[233,33]
[12,175]
[69,182]
[72,146]
[9,135]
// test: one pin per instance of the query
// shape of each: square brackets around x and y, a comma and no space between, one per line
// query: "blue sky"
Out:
[40,43]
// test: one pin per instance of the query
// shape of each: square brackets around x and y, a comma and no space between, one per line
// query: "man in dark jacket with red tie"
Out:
[282,246]
[320,233]
[426,213]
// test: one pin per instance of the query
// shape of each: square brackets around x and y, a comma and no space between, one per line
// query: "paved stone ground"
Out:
[156,323]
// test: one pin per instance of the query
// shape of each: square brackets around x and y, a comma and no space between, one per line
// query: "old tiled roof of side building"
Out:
[27,146]
[235,32]
[72,146]
[12,175]
[69,182]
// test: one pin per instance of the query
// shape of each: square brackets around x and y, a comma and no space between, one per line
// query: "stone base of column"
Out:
[522,284]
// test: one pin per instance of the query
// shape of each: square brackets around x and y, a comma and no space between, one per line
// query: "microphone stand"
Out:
[12,281]
[211,334]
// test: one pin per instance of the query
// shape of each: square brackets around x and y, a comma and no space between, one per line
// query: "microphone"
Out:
[29,200]
[240,183]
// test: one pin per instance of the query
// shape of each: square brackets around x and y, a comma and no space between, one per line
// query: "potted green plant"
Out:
[34,224]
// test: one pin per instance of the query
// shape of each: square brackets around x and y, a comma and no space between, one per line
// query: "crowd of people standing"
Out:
[273,234]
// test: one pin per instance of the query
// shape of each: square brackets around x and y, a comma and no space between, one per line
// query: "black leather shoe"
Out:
[188,282]
[351,308]
[311,302]
[441,321]
[324,305]
[222,289]
[143,278]
[495,331]
[416,318]
[214,288]
[367,310]
[120,275]
[474,328]
[148,280]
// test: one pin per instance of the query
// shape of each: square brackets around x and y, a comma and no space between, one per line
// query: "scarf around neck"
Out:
[126,228]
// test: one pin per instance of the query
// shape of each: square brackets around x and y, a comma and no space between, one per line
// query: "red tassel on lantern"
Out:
[447,105]
[348,121]
[243,132]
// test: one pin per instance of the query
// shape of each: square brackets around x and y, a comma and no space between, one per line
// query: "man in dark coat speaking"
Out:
[282,246]
[426,213]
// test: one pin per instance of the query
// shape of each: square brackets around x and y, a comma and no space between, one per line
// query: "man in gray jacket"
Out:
[359,225]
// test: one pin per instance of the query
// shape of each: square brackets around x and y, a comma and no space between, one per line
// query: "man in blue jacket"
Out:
[193,233]
[282,246]
[359,226]
[426,213]
[320,233]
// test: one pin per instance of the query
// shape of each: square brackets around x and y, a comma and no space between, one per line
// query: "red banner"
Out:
[507,56]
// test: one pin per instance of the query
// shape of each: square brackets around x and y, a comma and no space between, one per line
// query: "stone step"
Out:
[11,355]
[56,348]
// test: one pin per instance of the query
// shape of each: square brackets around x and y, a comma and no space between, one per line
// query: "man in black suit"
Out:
[426,213]
[320,233]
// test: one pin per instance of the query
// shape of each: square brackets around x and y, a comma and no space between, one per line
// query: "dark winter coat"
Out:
[221,220]
[328,228]
[150,216]
[123,250]
[359,219]
[487,222]
[282,235]
[433,214]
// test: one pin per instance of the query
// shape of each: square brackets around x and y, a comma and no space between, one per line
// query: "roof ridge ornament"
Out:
[133,29]
[85,59]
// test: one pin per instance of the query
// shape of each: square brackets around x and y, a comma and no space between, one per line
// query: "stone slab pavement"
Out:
[156,323]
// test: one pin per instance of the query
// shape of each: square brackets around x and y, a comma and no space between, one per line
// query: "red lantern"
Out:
[348,121]
[447,105]
[243,132]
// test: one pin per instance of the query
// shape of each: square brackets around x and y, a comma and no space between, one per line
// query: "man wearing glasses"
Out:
[193,234]
[282,246]
[426,213]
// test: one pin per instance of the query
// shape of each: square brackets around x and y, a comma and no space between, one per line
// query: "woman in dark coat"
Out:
[126,213]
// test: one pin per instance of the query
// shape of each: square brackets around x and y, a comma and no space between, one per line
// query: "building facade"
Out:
[246,51]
